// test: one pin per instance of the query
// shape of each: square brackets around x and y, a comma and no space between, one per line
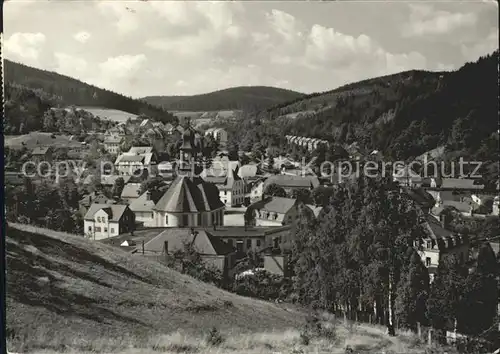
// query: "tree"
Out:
[302,195]
[478,310]
[118,186]
[274,190]
[321,195]
[413,292]
[446,295]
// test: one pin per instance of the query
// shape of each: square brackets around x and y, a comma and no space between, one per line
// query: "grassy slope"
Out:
[66,285]
[111,114]
[227,99]
[34,139]
[67,293]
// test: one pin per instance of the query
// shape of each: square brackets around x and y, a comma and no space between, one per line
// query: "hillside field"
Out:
[68,293]
[34,139]
[111,114]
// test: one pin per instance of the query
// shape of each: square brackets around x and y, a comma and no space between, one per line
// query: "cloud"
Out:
[480,48]
[122,66]
[124,13]
[82,36]
[425,21]
[70,65]
[25,46]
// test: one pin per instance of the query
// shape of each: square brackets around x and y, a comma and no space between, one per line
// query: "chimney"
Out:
[148,195]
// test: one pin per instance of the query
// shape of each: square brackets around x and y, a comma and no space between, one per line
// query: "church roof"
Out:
[187,195]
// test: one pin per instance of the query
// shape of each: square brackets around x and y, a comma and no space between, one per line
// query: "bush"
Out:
[214,337]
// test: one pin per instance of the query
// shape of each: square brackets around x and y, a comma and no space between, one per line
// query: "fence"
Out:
[488,340]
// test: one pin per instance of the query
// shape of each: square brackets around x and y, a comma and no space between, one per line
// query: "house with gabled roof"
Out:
[189,202]
[231,186]
[213,250]
[93,198]
[292,182]
[42,153]
[440,240]
[138,158]
[143,209]
[106,220]
[130,192]
[112,144]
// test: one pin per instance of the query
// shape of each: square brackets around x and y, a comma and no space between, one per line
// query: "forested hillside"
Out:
[402,115]
[239,98]
[30,91]
[405,114]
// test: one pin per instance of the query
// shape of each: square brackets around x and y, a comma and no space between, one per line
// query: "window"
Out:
[428,261]
[98,229]
[112,230]
[258,243]
[90,228]
[98,219]
[166,219]
[239,246]
[249,244]
[105,229]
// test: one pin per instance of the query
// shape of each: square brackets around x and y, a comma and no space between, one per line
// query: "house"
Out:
[112,144]
[213,251]
[92,198]
[166,170]
[256,239]
[42,154]
[257,190]
[231,188]
[406,176]
[292,182]
[138,158]
[439,241]
[189,202]
[130,192]
[219,135]
[145,124]
[107,220]
[275,211]
[143,209]
[448,184]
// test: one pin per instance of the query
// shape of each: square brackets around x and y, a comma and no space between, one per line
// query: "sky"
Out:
[143,48]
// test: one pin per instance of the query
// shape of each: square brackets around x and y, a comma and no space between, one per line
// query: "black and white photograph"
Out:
[250,177]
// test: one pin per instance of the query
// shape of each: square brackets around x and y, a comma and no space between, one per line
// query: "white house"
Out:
[106,220]
[142,208]
[231,188]
[137,158]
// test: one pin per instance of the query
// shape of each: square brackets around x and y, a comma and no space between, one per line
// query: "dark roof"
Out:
[189,195]
[132,158]
[94,198]
[204,243]
[115,211]
[39,150]
[293,181]
[240,231]
[420,196]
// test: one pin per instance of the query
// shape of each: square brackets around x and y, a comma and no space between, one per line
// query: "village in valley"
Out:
[251,177]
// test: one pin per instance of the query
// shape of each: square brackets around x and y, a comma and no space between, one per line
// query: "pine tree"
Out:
[481,294]
[447,294]
[413,292]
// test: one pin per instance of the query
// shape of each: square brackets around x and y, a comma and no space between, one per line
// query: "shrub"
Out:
[214,337]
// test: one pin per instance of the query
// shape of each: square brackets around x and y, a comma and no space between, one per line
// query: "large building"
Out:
[189,202]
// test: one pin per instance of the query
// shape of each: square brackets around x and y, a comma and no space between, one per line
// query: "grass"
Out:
[35,139]
[69,294]
[108,113]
